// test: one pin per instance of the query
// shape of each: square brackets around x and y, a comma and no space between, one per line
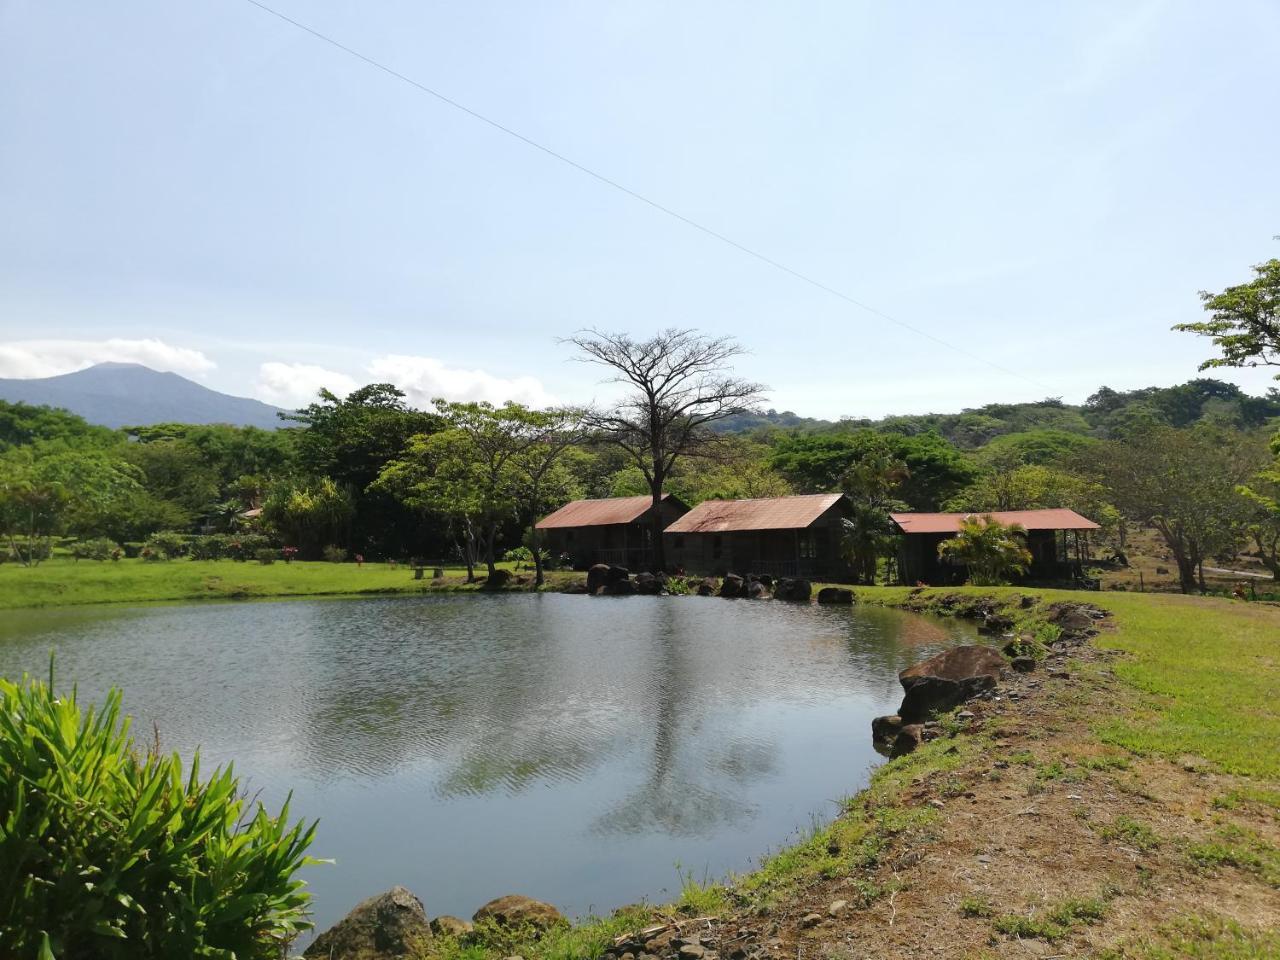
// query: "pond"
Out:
[584,751]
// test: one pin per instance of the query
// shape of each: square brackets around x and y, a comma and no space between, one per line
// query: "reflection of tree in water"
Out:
[500,695]
[677,795]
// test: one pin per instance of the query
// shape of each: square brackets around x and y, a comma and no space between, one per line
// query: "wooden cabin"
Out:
[617,530]
[1057,539]
[781,537]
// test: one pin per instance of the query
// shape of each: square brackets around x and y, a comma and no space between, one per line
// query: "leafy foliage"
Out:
[108,852]
[992,551]
[1184,483]
[1244,321]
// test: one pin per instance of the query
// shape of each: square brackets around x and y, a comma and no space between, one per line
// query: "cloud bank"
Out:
[421,378]
[425,378]
[293,385]
[24,359]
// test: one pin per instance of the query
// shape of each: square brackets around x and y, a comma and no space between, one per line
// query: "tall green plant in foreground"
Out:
[108,852]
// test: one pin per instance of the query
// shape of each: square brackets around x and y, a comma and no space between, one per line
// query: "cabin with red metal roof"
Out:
[1058,541]
[616,530]
[781,537]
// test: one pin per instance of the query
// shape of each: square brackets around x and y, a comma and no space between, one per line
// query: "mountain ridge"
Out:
[114,394]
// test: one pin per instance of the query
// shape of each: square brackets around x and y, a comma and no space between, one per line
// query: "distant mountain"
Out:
[131,395]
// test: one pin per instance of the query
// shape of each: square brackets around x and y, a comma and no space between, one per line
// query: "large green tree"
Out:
[817,462]
[1244,321]
[1184,483]
[872,484]
[351,440]
[480,471]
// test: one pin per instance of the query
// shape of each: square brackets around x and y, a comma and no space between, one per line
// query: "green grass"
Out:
[1126,830]
[61,582]
[1053,924]
[1234,846]
[1208,665]
[1200,938]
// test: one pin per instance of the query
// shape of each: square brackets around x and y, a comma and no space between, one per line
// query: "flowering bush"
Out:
[97,549]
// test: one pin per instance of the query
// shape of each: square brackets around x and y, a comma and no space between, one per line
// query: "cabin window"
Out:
[808,547]
[716,544]
[568,536]
[679,542]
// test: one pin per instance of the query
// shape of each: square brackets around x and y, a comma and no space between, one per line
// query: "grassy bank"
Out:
[61,582]
[1126,806]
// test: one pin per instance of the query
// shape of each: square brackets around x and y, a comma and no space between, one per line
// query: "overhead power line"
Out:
[621,188]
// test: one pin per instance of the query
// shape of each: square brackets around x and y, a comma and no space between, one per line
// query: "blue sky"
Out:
[204,188]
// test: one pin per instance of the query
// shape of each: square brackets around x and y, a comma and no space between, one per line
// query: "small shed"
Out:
[616,530]
[782,537]
[1057,539]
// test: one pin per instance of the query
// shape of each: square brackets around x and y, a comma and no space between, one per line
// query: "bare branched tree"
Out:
[679,384]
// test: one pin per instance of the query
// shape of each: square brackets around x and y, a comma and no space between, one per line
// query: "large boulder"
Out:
[517,911]
[618,588]
[950,678]
[617,573]
[793,589]
[648,584]
[757,590]
[707,588]
[597,577]
[835,595]
[732,586]
[885,729]
[498,580]
[447,926]
[907,739]
[389,926]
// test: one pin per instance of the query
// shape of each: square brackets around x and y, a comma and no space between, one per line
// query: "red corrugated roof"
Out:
[599,513]
[1059,519]
[778,513]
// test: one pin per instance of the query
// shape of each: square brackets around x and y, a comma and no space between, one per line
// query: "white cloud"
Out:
[425,378]
[48,358]
[293,385]
[421,378]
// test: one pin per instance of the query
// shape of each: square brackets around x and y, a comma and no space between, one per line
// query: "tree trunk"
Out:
[1186,573]
[469,550]
[537,555]
[490,542]
[659,554]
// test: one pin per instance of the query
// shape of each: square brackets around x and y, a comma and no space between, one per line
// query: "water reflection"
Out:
[569,747]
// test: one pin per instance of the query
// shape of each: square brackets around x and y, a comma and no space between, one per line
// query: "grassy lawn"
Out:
[1210,668]
[61,582]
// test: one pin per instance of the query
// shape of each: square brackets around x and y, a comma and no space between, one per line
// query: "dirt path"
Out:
[1023,835]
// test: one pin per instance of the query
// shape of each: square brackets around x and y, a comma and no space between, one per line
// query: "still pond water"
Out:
[569,748]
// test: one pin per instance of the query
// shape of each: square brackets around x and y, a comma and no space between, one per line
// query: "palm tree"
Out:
[992,551]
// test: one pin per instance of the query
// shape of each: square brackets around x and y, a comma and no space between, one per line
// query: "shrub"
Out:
[99,548]
[111,853]
[289,553]
[334,553]
[212,547]
[31,551]
[266,554]
[246,547]
[166,545]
